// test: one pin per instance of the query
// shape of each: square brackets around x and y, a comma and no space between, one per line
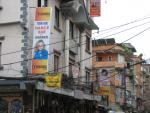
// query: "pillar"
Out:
[67,47]
[82,54]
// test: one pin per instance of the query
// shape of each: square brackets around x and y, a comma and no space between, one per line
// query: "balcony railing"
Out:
[109,64]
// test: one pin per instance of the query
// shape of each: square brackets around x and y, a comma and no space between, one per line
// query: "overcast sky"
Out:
[119,12]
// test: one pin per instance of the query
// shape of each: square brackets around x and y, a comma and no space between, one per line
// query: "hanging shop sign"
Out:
[41,40]
[95,8]
[54,80]
[104,90]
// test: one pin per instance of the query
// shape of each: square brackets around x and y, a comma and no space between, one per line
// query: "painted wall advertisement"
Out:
[95,8]
[104,82]
[41,40]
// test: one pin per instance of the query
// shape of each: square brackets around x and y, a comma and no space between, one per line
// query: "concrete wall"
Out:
[12,31]
[58,36]
[11,43]
[10,11]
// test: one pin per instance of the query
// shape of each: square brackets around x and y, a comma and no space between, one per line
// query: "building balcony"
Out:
[108,64]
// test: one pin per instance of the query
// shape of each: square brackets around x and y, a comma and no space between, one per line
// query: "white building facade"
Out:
[70,42]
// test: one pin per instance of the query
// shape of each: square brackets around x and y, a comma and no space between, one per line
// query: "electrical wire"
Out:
[110,71]
[113,46]
[124,30]
[107,49]
[122,25]
[48,54]
[88,57]
[85,35]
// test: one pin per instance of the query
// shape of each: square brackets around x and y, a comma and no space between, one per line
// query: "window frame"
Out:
[109,58]
[87,75]
[39,3]
[0,53]
[57,18]
[2,38]
[71,30]
[72,56]
[56,62]
[88,44]
[99,57]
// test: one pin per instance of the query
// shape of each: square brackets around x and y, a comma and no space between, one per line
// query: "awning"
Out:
[92,25]
[79,15]
[78,94]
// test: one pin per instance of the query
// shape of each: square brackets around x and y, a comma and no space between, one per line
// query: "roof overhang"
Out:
[79,15]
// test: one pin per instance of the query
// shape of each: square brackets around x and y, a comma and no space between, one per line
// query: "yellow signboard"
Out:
[53,80]
[105,90]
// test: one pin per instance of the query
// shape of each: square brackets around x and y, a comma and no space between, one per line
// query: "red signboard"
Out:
[95,6]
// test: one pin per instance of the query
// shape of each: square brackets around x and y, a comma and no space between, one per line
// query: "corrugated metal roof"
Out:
[99,42]
[129,45]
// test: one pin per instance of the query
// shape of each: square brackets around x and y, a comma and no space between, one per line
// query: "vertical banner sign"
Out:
[95,8]
[104,83]
[41,40]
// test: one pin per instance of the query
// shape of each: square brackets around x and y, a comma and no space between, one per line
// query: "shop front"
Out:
[11,97]
[34,96]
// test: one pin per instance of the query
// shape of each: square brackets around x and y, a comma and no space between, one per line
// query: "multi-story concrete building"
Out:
[11,38]
[20,21]
[110,56]
[138,81]
[116,59]
[146,86]
[69,47]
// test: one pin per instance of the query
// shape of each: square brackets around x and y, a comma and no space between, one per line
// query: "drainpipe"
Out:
[82,54]
[67,47]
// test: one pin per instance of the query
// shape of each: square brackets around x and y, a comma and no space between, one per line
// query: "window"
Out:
[3,105]
[57,17]
[42,3]
[1,7]
[56,61]
[71,30]
[71,62]
[87,75]
[109,58]
[87,44]
[121,58]
[99,58]
[0,52]
[70,69]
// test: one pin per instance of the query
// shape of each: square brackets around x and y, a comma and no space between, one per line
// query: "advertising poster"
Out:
[95,8]
[104,82]
[41,40]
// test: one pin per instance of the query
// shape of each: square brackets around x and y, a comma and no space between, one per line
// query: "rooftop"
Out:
[100,42]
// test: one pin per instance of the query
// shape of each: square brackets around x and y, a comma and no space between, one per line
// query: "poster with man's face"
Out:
[104,78]
[104,82]
[41,40]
